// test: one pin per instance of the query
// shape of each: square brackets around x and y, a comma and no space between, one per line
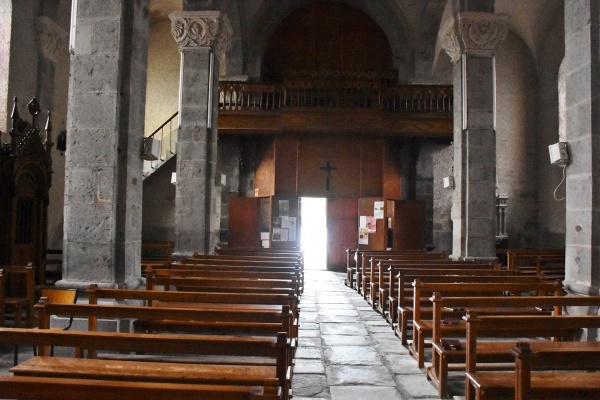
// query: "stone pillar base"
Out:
[133,283]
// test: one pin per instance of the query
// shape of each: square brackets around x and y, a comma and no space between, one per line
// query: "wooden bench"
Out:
[400,299]
[18,294]
[423,328]
[157,252]
[363,264]
[532,382]
[387,289]
[225,274]
[405,307]
[516,256]
[250,350]
[379,277]
[350,267]
[44,388]
[52,267]
[226,346]
[295,270]
[211,301]
[447,351]
[180,319]
[362,261]
[565,328]
[236,285]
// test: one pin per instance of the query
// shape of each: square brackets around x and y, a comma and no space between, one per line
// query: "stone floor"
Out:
[348,351]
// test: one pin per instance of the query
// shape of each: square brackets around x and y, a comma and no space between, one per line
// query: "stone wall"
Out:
[442,161]
[158,211]
[551,212]
[516,170]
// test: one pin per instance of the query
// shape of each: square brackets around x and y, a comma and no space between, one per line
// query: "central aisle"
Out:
[347,351]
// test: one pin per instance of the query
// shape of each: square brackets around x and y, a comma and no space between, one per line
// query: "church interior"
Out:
[137,136]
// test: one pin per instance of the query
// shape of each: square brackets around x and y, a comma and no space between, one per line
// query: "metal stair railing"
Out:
[167,135]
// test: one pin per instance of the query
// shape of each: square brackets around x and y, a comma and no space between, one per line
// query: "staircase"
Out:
[167,135]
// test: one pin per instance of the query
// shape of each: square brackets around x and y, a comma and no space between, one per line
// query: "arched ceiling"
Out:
[409,25]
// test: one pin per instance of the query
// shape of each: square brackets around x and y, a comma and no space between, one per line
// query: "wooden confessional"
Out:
[25,178]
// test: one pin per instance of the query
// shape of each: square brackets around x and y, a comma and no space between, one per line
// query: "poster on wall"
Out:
[371,224]
[363,236]
[378,209]
[284,208]
[277,234]
[362,221]
[289,223]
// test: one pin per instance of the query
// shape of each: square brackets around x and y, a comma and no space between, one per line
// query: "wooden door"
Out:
[342,231]
[28,221]
[248,217]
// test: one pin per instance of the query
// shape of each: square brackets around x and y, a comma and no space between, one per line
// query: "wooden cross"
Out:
[328,168]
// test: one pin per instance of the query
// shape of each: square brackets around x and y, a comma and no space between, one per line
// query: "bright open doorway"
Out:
[313,232]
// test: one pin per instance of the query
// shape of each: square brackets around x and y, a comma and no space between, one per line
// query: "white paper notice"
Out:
[363,236]
[363,221]
[378,212]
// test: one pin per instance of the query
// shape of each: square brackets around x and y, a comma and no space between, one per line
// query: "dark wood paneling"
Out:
[244,221]
[377,240]
[342,230]
[326,36]
[264,177]
[286,162]
[408,224]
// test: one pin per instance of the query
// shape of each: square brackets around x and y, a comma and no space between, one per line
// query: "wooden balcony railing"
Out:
[335,94]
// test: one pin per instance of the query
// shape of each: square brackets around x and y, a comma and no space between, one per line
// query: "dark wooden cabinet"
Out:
[398,224]
[25,177]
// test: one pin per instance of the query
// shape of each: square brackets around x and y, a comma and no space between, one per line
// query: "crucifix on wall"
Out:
[328,168]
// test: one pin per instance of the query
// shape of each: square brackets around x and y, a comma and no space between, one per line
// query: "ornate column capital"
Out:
[474,33]
[193,29]
[51,39]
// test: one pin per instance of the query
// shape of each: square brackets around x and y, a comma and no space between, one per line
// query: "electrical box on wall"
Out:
[448,182]
[559,153]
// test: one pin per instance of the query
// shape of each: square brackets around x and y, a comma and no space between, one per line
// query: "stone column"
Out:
[470,40]
[199,34]
[582,58]
[103,188]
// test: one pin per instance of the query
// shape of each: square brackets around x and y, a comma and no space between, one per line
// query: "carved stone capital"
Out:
[482,32]
[193,29]
[475,33]
[51,39]
[449,41]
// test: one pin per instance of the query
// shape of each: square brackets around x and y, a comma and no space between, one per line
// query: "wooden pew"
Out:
[516,256]
[377,276]
[297,273]
[18,292]
[363,258]
[276,348]
[157,252]
[199,300]
[226,262]
[195,320]
[230,275]
[454,351]
[532,382]
[350,267]
[44,388]
[405,307]
[400,299]
[479,328]
[236,285]
[181,319]
[387,271]
[423,328]
[2,297]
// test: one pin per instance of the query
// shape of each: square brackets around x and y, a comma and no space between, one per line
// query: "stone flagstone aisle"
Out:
[348,351]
